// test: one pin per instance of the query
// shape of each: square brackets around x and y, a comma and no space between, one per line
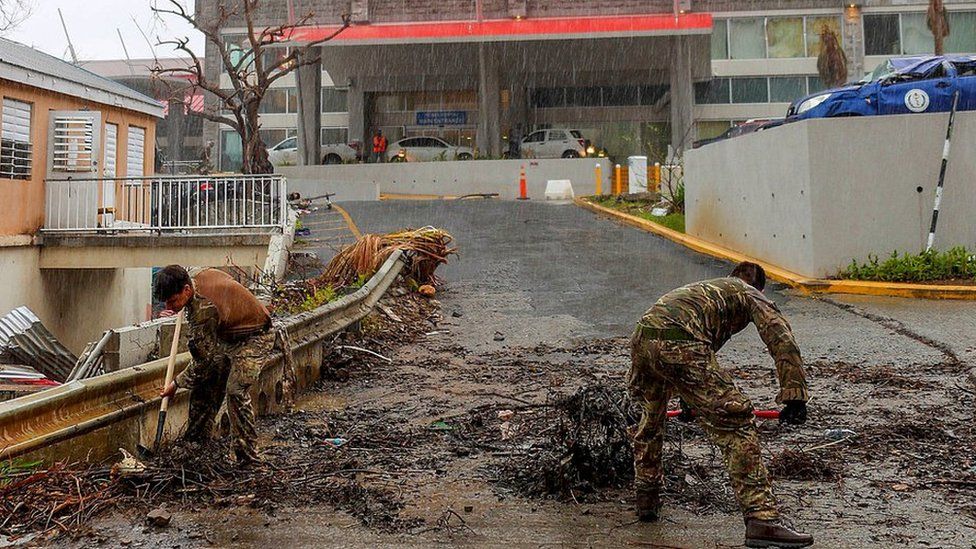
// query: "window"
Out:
[815,26]
[650,95]
[720,39]
[784,89]
[74,137]
[619,96]
[273,137]
[135,152]
[962,39]
[16,150]
[291,143]
[784,36]
[231,151]
[747,38]
[331,136]
[389,102]
[584,97]
[815,84]
[544,98]
[557,135]
[749,90]
[334,100]
[111,150]
[882,34]
[915,34]
[536,137]
[275,101]
[715,91]
[708,129]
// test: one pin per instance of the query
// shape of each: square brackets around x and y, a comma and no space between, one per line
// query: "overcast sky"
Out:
[92,26]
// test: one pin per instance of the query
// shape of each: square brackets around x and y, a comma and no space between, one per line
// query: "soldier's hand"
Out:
[795,412]
[169,390]
[687,415]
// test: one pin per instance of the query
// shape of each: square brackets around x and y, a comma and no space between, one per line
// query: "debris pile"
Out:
[798,465]
[427,248]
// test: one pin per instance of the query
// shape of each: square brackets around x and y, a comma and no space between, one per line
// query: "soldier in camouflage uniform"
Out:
[229,339]
[673,352]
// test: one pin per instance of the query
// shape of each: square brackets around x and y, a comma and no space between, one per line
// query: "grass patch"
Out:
[642,209]
[933,266]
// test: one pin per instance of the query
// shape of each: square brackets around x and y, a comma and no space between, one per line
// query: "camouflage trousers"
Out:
[229,372]
[661,369]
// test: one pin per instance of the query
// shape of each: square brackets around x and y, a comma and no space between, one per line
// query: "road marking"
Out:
[349,222]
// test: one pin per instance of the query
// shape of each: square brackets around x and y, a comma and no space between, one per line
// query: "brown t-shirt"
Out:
[240,314]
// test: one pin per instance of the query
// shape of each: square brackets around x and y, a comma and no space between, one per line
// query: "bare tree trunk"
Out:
[255,154]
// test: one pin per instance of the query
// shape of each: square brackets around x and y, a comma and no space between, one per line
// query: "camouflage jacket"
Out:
[205,345]
[712,311]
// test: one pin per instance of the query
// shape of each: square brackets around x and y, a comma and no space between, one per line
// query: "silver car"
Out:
[286,153]
[426,149]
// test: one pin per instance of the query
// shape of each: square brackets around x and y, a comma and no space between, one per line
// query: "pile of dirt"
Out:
[798,465]
[586,447]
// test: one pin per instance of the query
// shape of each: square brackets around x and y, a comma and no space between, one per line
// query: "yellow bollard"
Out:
[599,180]
[657,177]
[618,184]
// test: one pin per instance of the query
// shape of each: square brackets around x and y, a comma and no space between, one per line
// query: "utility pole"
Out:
[71,48]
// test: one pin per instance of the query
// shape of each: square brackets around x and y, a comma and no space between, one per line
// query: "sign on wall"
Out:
[442,118]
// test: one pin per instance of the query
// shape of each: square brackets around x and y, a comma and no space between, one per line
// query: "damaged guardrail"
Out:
[92,418]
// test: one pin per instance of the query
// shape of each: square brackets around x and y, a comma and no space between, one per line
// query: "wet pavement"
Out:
[535,283]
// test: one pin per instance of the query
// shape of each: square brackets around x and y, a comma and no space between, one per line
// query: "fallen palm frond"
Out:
[427,248]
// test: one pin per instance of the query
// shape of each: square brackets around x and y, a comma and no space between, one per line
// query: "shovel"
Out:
[164,405]
[763,414]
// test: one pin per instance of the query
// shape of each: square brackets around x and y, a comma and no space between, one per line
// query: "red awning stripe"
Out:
[500,30]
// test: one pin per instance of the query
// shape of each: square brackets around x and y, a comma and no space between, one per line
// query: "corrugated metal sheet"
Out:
[25,340]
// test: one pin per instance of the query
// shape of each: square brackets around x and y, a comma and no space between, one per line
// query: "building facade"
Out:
[634,76]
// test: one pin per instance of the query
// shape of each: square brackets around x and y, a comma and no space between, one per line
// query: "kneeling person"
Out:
[673,352]
[229,337]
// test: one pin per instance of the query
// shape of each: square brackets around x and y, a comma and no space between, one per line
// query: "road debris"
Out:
[159,517]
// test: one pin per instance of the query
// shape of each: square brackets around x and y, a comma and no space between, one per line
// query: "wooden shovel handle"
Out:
[171,363]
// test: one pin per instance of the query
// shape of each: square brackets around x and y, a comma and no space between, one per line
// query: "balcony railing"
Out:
[166,203]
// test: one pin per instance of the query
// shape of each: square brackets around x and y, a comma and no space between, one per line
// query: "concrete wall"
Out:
[77,305]
[812,195]
[457,178]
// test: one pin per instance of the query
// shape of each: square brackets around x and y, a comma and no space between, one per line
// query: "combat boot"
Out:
[765,533]
[648,504]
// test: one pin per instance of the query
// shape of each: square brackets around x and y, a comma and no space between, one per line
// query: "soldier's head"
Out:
[752,274]
[172,285]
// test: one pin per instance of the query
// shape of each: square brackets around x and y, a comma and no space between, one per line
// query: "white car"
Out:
[426,149]
[286,153]
[554,143]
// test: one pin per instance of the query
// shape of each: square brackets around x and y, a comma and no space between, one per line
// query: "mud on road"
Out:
[524,445]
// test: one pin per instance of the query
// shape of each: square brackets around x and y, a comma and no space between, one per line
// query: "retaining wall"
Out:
[812,195]
[448,178]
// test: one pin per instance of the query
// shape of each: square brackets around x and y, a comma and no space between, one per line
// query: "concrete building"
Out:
[634,76]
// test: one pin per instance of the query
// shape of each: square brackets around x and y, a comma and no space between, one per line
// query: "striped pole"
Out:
[942,171]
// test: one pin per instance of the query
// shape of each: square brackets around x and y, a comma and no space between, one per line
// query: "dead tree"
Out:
[938,22]
[13,13]
[249,73]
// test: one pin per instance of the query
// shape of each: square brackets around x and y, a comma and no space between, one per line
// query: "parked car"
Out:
[555,143]
[926,85]
[749,126]
[426,149]
[286,153]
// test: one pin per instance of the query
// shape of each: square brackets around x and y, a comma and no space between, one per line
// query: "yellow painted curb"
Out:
[349,222]
[794,280]
[398,196]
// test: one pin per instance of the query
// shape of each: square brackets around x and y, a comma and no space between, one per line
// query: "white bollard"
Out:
[559,189]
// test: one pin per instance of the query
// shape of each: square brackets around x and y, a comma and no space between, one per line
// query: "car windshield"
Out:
[576,134]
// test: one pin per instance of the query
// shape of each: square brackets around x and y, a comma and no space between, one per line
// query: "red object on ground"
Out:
[764,414]
[498,30]
[523,188]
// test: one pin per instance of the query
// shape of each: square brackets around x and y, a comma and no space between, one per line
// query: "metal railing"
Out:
[165,203]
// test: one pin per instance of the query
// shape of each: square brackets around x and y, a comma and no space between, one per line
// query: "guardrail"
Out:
[92,418]
[165,203]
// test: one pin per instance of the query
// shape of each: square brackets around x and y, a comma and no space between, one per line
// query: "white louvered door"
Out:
[110,171]
[73,189]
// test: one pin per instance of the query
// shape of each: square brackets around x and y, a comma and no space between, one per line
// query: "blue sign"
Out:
[442,118]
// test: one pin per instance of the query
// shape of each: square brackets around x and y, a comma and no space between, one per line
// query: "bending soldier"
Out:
[229,337]
[673,352]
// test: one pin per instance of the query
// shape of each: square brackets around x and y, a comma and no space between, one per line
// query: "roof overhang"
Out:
[509,30]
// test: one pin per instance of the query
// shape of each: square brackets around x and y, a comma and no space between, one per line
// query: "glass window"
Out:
[650,95]
[747,38]
[715,91]
[708,129]
[271,138]
[962,38]
[720,39]
[271,57]
[332,136]
[535,137]
[881,34]
[544,98]
[231,151]
[749,90]
[784,89]
[389,102]
[784,36]
[619,96]
[557,135]
[915,34]
[584,97]
[16,150]
[334,100]
[815,26]
[275,101]
[815,84]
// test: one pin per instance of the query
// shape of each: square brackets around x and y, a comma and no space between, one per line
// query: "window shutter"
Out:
[135,153]
[111,149]
[15,140]
[74,143]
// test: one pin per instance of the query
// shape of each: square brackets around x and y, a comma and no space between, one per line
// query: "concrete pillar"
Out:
[308,81]
[852,35]
[489,101]
[682,96]
[358,122]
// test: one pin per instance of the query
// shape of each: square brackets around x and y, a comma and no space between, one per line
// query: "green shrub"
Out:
[956,263]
